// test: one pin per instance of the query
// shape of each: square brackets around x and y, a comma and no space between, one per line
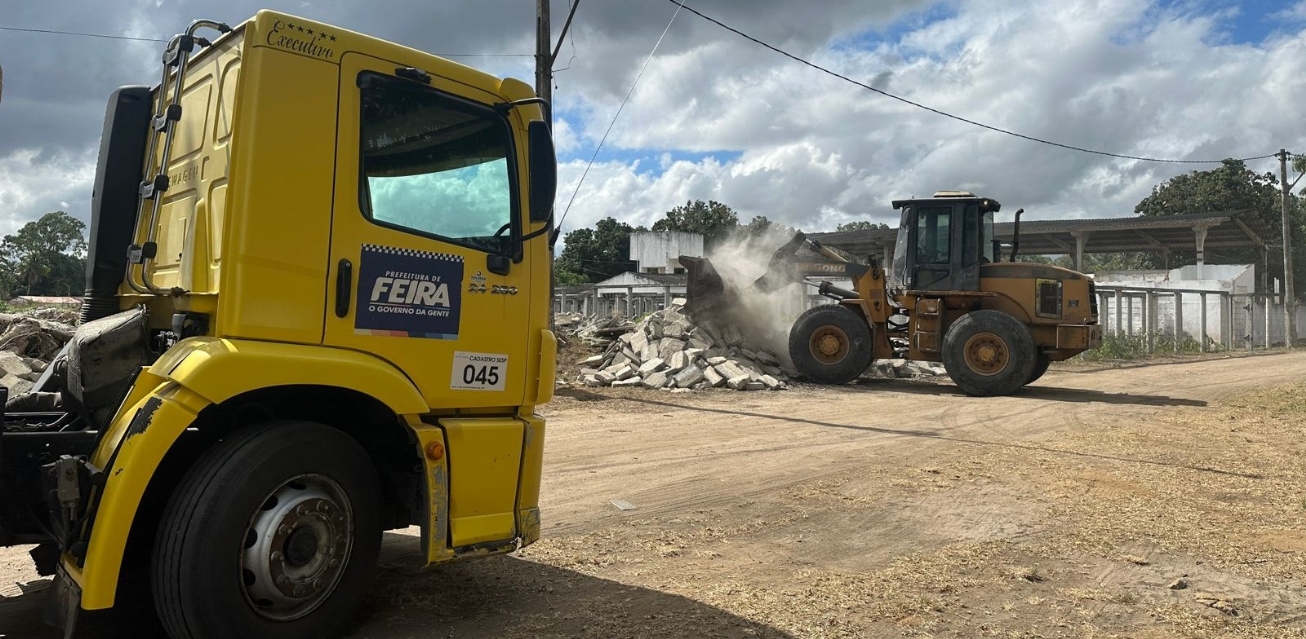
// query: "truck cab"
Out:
[317,309]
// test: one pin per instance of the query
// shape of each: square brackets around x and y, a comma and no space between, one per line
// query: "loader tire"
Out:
[830,344]
[988,353]
[1041,364]
[275,532]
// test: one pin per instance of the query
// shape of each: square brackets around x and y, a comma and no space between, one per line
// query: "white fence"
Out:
[1214,319]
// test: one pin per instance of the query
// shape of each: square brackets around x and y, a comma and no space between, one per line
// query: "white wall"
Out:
[660,250]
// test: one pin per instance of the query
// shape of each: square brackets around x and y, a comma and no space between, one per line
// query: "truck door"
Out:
[426,263]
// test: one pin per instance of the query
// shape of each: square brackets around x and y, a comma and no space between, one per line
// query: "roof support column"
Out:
[1200,231]
[1081,238]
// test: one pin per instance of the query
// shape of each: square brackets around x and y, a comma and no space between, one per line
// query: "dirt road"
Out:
[1094,503]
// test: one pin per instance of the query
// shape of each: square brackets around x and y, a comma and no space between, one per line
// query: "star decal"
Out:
[333,38]
[300,29]
[310,32]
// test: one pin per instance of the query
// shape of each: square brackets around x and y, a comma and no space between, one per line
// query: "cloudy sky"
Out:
[718,117]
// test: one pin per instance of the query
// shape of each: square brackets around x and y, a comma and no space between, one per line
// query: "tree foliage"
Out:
[1231,187]
[45,257]
[593,255]
[714,220]
[860,225]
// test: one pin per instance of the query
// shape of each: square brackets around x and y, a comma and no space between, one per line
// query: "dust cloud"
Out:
[764,318]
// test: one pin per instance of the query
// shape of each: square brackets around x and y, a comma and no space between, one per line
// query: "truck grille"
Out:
[1047,298]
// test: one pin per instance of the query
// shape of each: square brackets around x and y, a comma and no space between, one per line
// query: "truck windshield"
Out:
[435,165]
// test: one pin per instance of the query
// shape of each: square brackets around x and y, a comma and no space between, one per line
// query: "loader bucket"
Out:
[704,288]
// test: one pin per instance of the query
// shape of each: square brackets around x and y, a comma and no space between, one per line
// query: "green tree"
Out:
[761,227]
[714,220]
[45,257]
[1231,187]
[592,255]
[860,225]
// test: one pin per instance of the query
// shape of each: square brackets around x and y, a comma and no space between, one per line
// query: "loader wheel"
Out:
[988,353]
[1041,363]
[830,344]
[273,533]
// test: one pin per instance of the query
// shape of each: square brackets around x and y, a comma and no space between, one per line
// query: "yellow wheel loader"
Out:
[317,309]
[995,325]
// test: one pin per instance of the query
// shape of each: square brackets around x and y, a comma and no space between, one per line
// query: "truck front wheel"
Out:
[988,352]
[273,533]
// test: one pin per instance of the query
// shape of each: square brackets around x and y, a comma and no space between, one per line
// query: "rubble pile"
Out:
[598,332]
[28,343]
[667,350]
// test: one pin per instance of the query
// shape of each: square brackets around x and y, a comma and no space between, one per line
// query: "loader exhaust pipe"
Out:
[1015,235]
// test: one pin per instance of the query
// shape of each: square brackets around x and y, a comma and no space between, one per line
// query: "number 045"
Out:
[483,375]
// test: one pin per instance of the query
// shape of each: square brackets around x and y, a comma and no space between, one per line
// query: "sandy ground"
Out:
[1152,501]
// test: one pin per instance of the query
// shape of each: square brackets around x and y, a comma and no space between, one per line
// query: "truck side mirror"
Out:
[543,171]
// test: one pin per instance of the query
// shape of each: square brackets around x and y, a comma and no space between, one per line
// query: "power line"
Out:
[134,39]
[679,4]
[945,114]
[79,33]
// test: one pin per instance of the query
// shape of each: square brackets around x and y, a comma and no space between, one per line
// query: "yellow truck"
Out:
[317,310]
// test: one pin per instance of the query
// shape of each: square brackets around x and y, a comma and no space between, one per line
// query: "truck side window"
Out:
[435,165]
[934,236]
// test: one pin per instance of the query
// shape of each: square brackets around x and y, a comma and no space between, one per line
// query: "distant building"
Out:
[43,300]
[657,251]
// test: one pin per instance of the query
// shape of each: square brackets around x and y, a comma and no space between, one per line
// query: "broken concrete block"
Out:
[13,364]
[688,377]
[773,371]
[592,380]
[626,372]
[699,344]
[655,330]
[753,386]
[649,352]
[675,330]
[713,378]
[766,358]
[738,383]
[588,371]
[630,381]
[748,354]
[620,359]
[652,366]
[655,380]
[679,302]
[605,378]
[714,361]
[668,347]
[595,361]
[694,353]
[678,361]
[771,382]
[638,341]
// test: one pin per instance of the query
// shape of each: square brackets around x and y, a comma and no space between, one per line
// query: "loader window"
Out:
[933,235]
[435,165]
[970,236]
[986,240]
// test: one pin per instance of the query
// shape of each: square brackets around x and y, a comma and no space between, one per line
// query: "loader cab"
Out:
[943,240]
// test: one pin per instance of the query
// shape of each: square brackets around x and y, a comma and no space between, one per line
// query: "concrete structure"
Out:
[1160,234]
[656,251]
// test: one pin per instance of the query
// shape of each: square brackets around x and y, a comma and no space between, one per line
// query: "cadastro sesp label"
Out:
[478,371]
[408,293]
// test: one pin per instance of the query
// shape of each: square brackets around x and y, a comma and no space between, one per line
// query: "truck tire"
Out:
[988,353]
[275,532]
[1041,363]
[830,344]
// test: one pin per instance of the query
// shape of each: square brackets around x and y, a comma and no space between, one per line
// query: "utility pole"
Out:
[1289,295]
[545,55]
[543,59]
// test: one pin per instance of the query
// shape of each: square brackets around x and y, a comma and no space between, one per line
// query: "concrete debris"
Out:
[667,350]
[29,341]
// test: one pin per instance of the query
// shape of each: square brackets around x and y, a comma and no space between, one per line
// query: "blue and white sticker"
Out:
[478,371]
[408,293]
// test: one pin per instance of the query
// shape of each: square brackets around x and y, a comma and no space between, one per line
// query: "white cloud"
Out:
[32,184]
